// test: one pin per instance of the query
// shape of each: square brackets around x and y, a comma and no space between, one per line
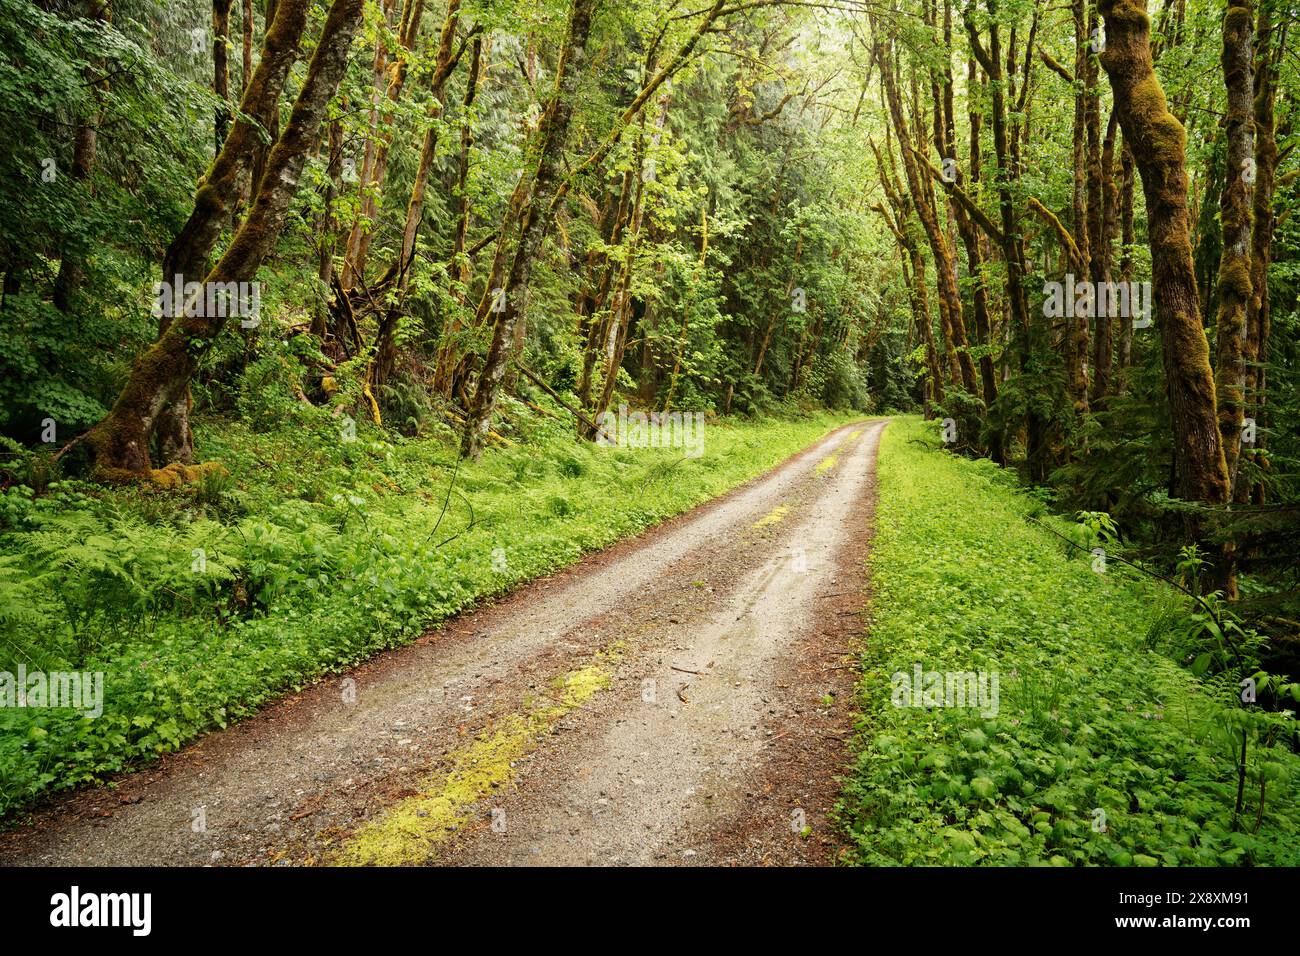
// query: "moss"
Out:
[1126,13]
[409,832]
[827,463]
[1150,110]
[1234,276]
[177,475]
[774,516]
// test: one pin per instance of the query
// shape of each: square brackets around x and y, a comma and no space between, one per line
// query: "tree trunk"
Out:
[623,299]
[1127,237]
[221,67]
[270,122]
[1157,140]
[1235,214]
[328,226]
[1103,343]
[970,238]
[429,149]
[246,28]
[1268,53]
[120,443]
[353,271]
[923,201]
[1080,220]
[186,257]
[552,133]
[598,322]
[458,267]
[220,188]
[72,269]
[1013,255]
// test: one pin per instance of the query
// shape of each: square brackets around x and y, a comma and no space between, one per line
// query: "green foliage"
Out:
[200,605]
[1093,716]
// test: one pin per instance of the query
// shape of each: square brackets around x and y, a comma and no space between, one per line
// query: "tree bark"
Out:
[120,443]
[1235,214]
[923,201]
[1158,143]
[552,133]
[187,255]
[221,67]
[1127,237]
[1268,53]
[1081,220]
[220,188]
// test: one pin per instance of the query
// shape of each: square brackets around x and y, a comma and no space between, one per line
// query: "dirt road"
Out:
[680,698]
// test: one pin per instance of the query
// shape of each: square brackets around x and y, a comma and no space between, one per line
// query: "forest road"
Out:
[684,697]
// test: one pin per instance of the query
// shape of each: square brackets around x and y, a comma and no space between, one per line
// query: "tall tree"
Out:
[1158,143]
[1236,215]
[552,132]
[120,443]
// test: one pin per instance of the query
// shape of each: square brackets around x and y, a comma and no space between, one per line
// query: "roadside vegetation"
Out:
[314,312]
[303,554]
[1119,728]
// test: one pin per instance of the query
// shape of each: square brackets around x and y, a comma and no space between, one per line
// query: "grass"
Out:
[1103,749]
[311,554]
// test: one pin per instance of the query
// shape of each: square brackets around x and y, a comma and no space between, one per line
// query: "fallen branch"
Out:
[532,377]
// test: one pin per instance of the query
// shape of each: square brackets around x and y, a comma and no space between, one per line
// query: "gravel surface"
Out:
[727,635]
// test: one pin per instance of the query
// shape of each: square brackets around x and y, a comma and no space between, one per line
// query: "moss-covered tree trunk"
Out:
[1268,53]
[552,133]
[1103,342]
[1080,209]
[975,254]
[923,201]
[913,266]
[186,258]
[458,265]
[120,443]
[1158,143]
[1127,236]
[1235,214]
[1013,254]
[598,317]
[221,67]
[328,224]
[1098,251]
[220,188]
[623,296]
